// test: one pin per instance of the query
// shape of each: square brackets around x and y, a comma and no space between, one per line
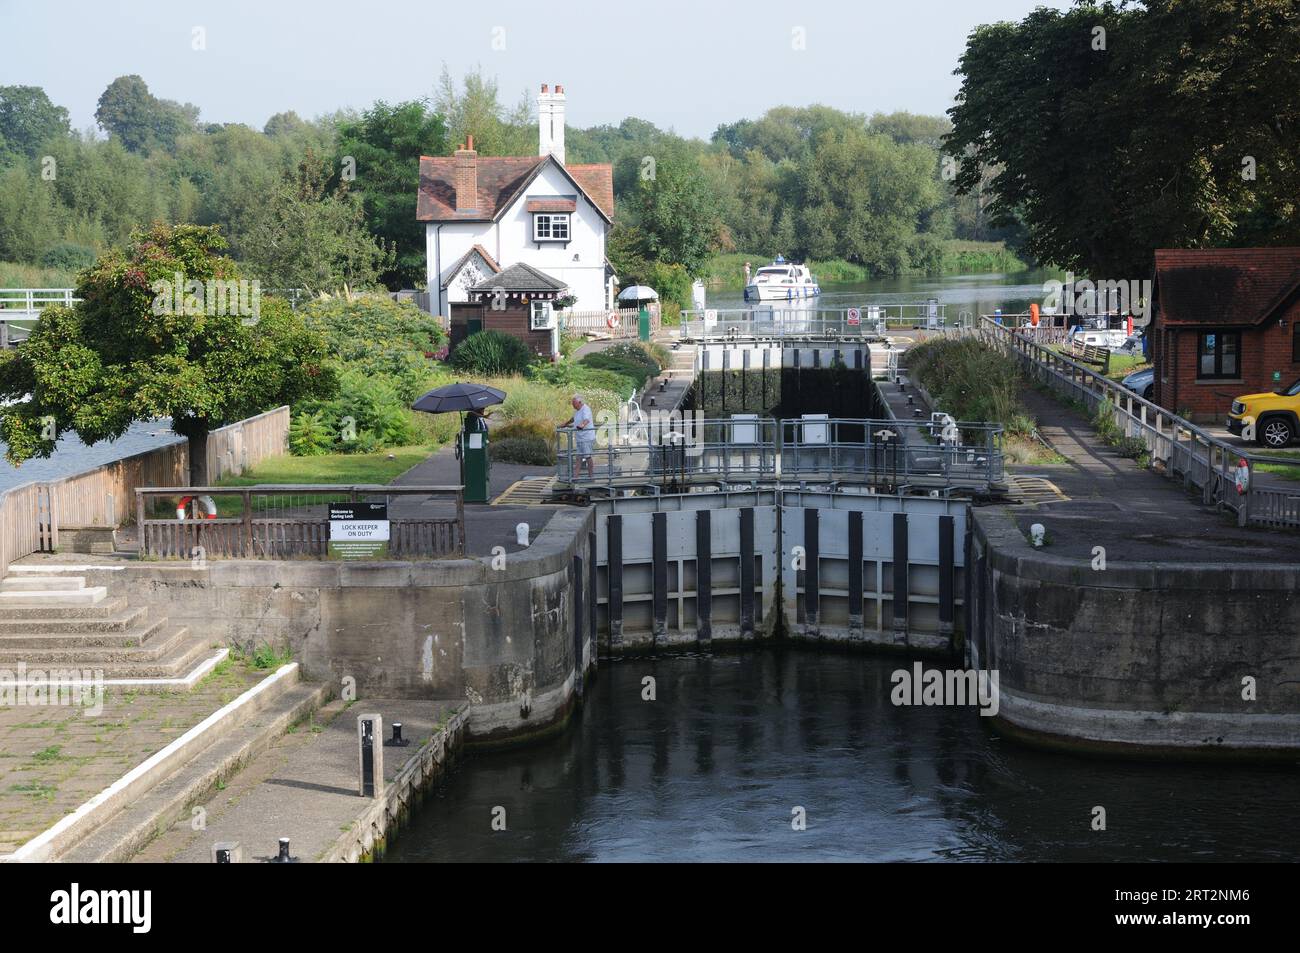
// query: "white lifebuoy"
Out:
[612,321]
[208,503]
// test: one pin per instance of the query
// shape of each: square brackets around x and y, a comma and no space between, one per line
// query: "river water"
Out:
[72,456]
[976,294]
[733,743]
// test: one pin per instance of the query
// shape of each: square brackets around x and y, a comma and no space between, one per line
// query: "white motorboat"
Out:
[782,281]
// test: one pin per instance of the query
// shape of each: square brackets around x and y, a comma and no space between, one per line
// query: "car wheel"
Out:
[1149,392]
[1276,432]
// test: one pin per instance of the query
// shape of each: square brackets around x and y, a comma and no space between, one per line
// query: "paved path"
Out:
[54,758]
[304,786]
[1135,514]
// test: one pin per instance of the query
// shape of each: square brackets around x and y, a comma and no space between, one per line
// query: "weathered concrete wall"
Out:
[1143,655]
[509,639]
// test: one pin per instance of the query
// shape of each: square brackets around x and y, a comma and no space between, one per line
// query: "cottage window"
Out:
[541,317]
[1218,355]
[551,227]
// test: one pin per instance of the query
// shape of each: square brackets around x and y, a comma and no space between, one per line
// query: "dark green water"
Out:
[713,768]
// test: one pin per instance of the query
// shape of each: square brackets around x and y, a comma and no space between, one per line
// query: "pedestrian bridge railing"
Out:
[750,448]
[281,521]
[774,323]
[1183,450]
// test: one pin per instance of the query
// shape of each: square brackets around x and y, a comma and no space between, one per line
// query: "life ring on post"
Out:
[1241,476]
[208,503]
[612,321]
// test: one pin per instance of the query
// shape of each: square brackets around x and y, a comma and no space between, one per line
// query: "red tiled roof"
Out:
[598,182]
[1224,286]
[552,205]
[500,179]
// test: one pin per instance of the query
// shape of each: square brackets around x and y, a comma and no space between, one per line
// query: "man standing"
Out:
[585,425]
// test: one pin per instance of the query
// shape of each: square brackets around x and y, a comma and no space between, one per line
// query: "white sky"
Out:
[682,65]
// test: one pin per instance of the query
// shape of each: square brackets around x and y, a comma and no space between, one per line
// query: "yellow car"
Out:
[1272,419]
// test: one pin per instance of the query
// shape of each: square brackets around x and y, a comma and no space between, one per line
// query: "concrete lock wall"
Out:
[515,641]
[1140,656]
[671,569]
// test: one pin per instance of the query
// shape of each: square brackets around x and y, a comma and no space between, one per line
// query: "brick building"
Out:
[518,301]
[1226,322]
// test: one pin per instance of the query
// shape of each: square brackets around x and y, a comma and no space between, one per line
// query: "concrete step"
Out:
[175,663]
[120,622]
[103,609]
[24,582]
[110,638]
[88,596]
[163,643]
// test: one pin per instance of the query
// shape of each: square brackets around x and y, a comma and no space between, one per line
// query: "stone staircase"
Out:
[57,621]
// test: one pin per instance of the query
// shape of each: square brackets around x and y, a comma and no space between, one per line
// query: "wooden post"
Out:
[248,522]
[139,518]
[460,519]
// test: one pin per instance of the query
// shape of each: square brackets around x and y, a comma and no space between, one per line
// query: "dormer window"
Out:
[551,227]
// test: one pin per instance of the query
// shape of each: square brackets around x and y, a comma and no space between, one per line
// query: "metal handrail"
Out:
[865,321]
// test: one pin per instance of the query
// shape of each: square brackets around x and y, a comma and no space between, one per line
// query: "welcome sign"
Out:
[359,530]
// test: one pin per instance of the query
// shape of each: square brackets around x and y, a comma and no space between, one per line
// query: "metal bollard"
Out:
[227,852]
[370,751]
[397,741]
[283,856]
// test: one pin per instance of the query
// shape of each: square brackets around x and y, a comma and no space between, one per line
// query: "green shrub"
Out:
[68,256]
[526,428]
[380,337]
[531,451]
[309,435]
[491,352]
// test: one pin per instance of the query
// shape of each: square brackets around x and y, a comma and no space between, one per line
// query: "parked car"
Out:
[1276,416]
[1142,383]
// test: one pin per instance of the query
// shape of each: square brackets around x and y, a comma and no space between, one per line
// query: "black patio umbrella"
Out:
[458,397]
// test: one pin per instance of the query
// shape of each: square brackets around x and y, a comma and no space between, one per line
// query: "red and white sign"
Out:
[855,316]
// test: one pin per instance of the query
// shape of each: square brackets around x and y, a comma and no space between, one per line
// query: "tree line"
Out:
[330,201]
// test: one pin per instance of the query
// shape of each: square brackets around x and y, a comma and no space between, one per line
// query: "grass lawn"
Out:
[345,468]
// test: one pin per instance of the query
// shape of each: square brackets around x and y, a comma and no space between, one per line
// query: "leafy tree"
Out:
[127,352]
[386,143]
[674,211]
[1141,142]
[309,236]
[475,110]
[143,122]
[28,119]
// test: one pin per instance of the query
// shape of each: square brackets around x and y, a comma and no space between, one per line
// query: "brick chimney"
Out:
[550,122]
[466,177]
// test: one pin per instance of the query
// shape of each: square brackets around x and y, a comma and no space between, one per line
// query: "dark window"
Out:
[1218,354]
[1295,342]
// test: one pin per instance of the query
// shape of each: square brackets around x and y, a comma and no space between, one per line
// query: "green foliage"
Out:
[127,352]
[309,236]
[68,256]
[525,428]
[531,451]
[309,434]
[632,361]
[28,120]
[141,121]
[970,381]
[491,352]
[674,210]
[386,143]
[1172,106]
[380,337]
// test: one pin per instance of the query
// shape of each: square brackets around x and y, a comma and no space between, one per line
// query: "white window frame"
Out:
[547,314]
[552,219]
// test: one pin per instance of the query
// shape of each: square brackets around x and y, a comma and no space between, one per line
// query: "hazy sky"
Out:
[684,65]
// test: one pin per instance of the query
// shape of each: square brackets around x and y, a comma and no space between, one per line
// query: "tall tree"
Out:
[475,109]
[142,121]
[384,145]
[131,350]
[674,210]
[28,119]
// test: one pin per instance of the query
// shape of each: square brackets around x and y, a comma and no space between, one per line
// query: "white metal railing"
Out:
[767,322]
[749,447]
[1182,449]
[30,301]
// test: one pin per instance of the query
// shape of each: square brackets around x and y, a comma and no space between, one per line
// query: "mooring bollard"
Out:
[663,384]
[397,741]
[521,534]
[227,852]
[283,856]
[369,729]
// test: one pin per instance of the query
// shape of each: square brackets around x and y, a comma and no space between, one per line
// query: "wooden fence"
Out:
[625,322]
[240,446]
[300,528]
